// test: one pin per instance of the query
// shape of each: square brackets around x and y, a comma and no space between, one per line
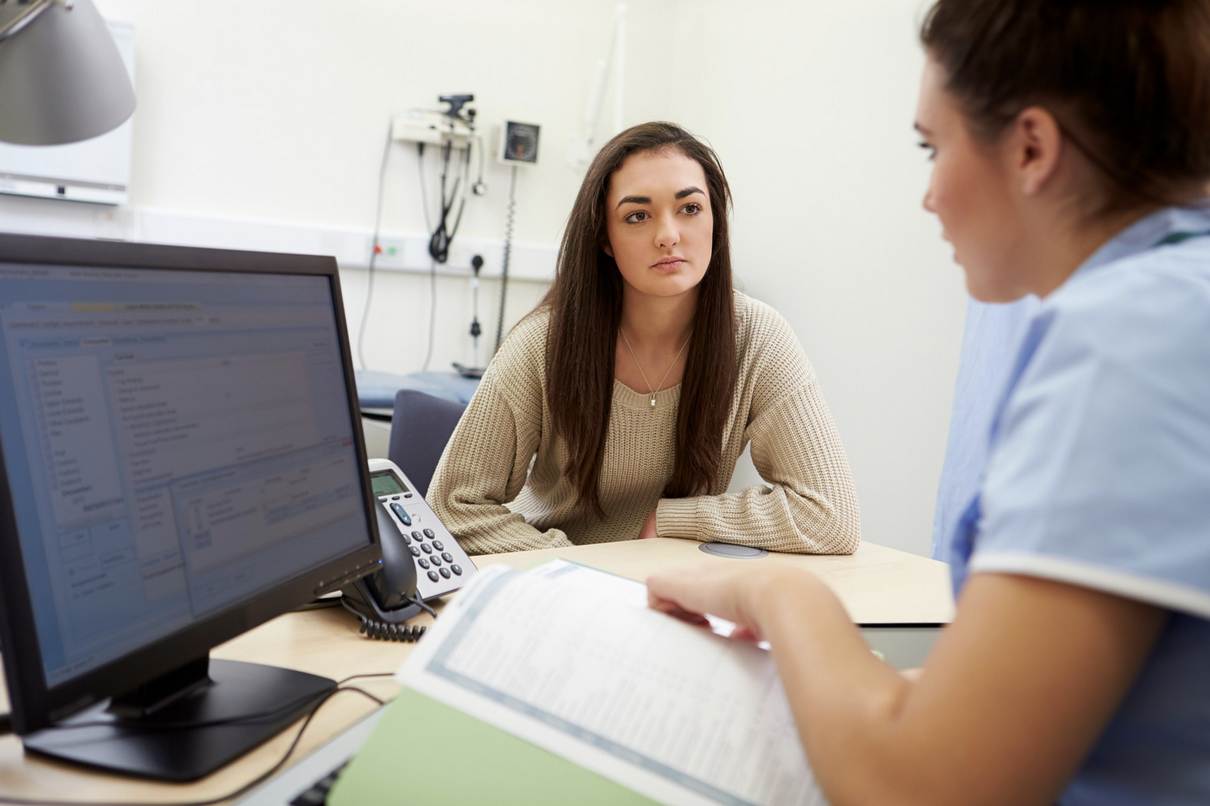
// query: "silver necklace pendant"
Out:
[626,339]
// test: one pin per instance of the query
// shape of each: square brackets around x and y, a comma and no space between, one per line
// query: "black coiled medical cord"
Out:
[508,248]
[443,234]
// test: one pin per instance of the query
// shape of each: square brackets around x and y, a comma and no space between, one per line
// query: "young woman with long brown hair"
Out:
[1071,147]
[619,407]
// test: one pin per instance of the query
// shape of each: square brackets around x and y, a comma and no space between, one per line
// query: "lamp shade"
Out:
[61,77]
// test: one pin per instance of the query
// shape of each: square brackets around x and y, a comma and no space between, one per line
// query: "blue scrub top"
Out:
[990,340]
[1099,476]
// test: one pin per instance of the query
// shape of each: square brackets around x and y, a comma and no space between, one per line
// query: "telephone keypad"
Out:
[434,551]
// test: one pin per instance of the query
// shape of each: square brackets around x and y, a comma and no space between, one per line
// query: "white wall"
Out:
[276,111]
[810,105]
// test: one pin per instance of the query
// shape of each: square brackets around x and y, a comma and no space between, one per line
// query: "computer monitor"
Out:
[182,461]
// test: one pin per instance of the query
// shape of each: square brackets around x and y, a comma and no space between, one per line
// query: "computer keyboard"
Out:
[317,794]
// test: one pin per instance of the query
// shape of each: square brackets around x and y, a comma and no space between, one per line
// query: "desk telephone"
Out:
[421,560]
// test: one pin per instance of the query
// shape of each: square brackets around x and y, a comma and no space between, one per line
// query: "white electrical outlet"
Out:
[430,127]
[392,254]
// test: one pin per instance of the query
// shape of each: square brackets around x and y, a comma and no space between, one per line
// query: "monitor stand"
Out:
[155,732]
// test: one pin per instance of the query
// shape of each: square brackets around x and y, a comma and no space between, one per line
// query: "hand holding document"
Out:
[571,660]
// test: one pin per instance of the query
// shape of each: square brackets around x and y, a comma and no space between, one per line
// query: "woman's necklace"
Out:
[640,366]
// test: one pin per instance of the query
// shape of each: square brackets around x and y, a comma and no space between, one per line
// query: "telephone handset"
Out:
[421,560]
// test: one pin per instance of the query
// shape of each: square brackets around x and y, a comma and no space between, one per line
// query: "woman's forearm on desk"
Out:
[1015,693]
[809,505]
[485,465]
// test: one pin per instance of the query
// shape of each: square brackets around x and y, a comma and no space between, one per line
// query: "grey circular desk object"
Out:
[733,551]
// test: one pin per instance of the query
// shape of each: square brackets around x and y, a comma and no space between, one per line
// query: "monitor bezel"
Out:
[33,704]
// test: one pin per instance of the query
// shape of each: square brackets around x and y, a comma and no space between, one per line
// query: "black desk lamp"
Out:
[61,77]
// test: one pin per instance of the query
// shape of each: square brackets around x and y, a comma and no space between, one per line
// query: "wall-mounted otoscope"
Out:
[456,103]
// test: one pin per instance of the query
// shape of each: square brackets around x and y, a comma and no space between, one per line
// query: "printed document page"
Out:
[588,672]
[585,578]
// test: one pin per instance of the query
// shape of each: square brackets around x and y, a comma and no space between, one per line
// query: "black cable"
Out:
[443,235]
[466,179]
[415,599]
[248,787]
[211,723]
[439,242]
[509,220]
[365,676]
[365,314]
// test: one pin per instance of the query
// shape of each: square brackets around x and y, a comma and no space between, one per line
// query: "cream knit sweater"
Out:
[500,484]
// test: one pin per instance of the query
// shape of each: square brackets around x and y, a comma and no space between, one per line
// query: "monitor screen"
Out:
[180,444]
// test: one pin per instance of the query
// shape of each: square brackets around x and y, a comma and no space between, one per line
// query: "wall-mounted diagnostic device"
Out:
[518,143]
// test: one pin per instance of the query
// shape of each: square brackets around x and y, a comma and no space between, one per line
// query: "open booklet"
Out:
[564,663]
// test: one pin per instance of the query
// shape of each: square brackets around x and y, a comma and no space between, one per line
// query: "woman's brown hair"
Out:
[585,306]
[1127,80]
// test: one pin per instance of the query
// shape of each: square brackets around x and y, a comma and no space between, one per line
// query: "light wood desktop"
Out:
[876,584]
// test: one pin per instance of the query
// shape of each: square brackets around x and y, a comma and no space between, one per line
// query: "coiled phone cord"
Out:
[381,631]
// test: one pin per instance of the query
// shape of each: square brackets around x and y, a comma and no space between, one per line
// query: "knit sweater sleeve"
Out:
[809,504]
[486,461]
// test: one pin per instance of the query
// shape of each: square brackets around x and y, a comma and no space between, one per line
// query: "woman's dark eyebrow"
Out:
[921,129]
[689,191]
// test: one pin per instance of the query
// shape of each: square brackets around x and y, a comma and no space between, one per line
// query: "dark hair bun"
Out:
[1128,81]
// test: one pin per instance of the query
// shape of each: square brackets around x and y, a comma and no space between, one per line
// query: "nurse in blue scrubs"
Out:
[1071,148]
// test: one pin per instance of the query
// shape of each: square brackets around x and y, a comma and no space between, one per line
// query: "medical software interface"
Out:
[175,441]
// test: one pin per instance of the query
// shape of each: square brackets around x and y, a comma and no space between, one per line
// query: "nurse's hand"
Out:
[648,529]
[725,590]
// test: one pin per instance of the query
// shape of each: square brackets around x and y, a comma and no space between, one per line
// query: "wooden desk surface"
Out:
[876,584]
